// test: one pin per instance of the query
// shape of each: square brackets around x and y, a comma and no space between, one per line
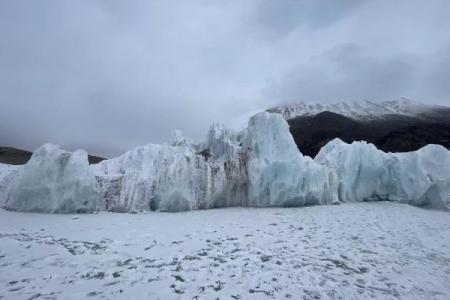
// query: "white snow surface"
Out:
[378,250]
[365,173]
[359,110]
[55,181]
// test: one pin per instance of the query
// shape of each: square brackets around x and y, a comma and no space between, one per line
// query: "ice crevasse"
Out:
[259,166]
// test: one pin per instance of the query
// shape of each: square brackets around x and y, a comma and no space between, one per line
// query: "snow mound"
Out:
[366,173]
[53,181]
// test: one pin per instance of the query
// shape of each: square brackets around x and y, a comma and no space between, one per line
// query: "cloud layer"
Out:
[111,75]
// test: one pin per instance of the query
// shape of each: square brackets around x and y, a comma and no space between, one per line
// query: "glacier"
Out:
[259,166]
[365,173]
[8,174]
[53,181]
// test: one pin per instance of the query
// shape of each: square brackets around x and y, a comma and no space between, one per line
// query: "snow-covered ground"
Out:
[351,251]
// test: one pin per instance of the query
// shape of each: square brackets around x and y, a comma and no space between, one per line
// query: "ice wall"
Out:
[279,174]
[259,167]
[152,177]
[8,174]
[54,181]
[366,173]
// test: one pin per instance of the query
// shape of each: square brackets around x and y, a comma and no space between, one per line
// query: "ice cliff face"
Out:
[259,166]
[365,173]
[279,174]
[163,177]
[8,174]
[54,181]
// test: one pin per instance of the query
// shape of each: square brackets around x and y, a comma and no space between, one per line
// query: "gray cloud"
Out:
[111,75]
[346,73]
[282,17]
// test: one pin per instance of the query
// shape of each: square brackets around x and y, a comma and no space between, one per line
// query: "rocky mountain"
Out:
[393,126]
[365,110]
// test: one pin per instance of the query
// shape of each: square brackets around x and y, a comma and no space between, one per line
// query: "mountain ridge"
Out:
[364,110]
[392,126]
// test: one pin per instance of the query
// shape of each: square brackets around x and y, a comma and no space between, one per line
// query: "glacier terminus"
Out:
[259,166]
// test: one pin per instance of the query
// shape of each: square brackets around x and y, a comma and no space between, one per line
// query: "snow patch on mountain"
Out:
[358,110]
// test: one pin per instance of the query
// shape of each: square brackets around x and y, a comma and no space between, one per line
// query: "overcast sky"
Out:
[111,75]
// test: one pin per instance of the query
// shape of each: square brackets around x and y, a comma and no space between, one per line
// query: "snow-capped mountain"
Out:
[358,110]
[394,126]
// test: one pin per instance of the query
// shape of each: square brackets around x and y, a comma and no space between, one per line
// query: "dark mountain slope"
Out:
[415,137]
[14,156]
[394,133]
